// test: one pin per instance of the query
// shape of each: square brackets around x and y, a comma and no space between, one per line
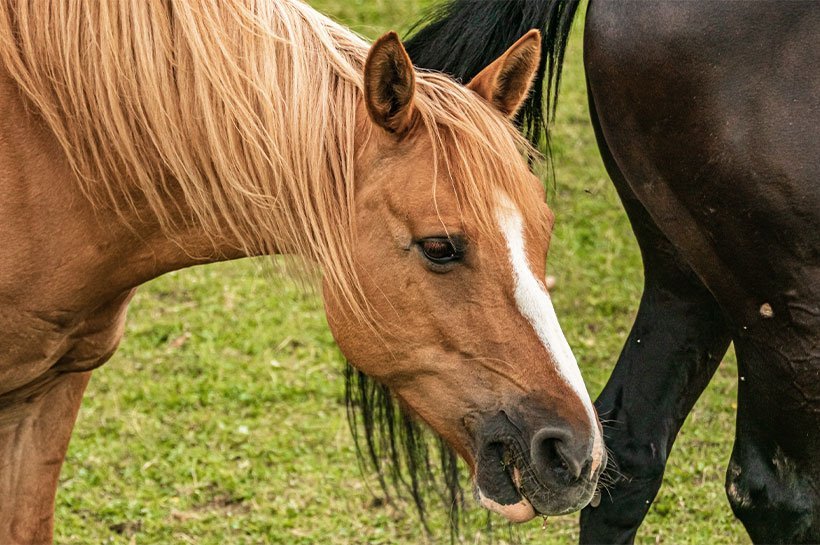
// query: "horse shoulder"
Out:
[50,262]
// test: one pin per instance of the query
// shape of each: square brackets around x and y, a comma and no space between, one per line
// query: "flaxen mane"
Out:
[243,111]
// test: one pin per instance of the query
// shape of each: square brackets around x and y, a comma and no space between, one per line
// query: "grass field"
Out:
[221,418]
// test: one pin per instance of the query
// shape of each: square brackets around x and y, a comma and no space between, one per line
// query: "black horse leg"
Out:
[675,345]
[773,475]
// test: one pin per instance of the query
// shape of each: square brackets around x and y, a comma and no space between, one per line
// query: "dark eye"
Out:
[441,250]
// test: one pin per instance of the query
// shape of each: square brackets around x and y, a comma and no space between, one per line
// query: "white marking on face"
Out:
[535,305]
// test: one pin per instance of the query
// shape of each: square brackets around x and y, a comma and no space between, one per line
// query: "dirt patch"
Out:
[128,528]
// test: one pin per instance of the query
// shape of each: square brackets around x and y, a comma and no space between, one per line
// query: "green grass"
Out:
[221,420]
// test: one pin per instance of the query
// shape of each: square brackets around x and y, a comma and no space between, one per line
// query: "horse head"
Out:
[450,247]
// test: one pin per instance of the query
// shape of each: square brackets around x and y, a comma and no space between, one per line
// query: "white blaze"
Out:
[535,305]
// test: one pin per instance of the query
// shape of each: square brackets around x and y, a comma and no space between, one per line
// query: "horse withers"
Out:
[136,140]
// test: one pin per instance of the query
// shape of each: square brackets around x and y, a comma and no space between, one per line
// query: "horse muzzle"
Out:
[553,470]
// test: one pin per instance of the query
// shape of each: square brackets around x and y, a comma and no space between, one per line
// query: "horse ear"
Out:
[506,82]
[389,85]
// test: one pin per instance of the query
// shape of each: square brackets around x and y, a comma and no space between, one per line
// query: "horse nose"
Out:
[559,454]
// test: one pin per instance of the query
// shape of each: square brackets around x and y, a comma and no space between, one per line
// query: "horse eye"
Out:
[440,250]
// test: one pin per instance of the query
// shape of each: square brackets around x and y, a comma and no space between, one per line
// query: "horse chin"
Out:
[518,498]
[514,506]
[516,512]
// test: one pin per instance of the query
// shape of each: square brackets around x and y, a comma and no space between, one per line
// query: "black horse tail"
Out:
[461,37]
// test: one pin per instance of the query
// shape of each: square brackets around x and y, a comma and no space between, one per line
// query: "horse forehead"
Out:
[415,185]
[526,244]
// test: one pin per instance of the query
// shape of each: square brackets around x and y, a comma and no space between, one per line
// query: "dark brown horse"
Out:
[707,116]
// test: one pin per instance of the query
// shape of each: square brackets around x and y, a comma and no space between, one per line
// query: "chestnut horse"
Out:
[139,138]
[707,118]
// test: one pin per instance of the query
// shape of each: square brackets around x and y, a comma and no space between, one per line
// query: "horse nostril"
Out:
[553,450]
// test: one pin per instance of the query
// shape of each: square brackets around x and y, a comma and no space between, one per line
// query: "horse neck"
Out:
[62,251]
[239,176]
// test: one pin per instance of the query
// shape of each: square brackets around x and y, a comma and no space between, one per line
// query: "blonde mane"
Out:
[242,113]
